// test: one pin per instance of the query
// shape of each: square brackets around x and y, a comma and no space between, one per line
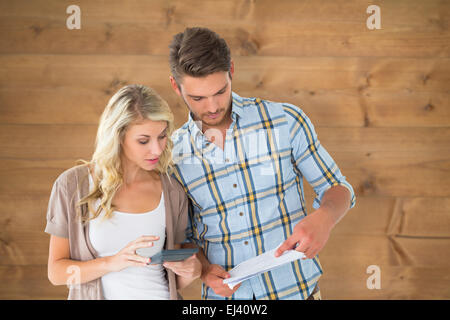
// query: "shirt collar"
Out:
[236,106]
[236,112]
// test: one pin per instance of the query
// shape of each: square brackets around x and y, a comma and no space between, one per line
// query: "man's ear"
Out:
[175,86]
[231,69]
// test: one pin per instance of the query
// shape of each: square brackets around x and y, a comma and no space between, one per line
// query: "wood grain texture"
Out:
[322,29]
[29,282]
[361,92]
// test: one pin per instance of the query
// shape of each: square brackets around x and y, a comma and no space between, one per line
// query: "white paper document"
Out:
[260,264]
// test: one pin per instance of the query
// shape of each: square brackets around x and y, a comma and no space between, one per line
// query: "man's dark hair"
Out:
[198,52]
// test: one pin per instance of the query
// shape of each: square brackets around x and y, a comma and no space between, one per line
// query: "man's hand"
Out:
[213,277]
[311,234]
[313,231]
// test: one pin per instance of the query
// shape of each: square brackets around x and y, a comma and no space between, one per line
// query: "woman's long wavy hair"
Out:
[130,105]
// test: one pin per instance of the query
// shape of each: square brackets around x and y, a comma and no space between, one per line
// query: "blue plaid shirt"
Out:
[248,197]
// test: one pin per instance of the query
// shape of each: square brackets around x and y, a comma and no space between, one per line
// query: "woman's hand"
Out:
[127,257]
[190,268]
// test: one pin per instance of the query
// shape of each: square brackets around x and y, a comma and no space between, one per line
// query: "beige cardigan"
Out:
[63,221]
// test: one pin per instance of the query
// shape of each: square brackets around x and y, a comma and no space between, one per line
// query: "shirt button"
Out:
[234,185]
[227,160]
[246,242]
[241,214]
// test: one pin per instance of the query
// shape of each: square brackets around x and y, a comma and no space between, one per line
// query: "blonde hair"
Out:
[130,105]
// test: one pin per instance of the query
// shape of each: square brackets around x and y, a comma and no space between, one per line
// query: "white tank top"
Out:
[109,236]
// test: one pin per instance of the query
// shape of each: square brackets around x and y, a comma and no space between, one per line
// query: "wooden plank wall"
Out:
[379,100]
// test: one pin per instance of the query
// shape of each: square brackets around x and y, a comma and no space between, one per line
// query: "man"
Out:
[241,162]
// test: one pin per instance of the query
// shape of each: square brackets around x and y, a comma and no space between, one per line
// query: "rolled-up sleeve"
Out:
[57,211]
[311,158]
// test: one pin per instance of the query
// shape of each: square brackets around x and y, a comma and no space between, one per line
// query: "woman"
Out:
[102,211]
